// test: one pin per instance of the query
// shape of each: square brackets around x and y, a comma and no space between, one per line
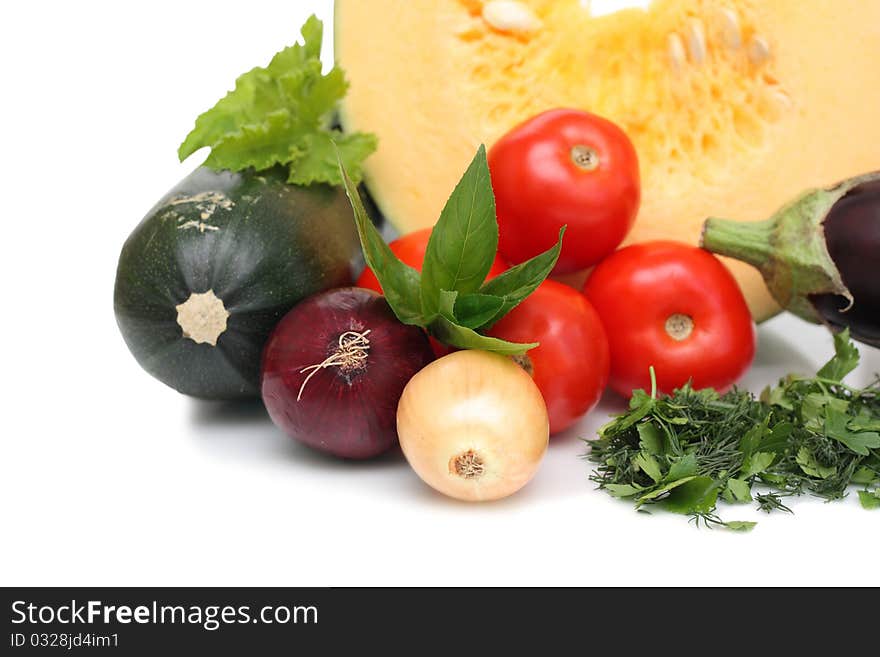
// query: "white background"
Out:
[107,477]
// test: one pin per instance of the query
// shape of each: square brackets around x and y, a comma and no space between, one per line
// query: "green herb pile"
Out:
[806,435]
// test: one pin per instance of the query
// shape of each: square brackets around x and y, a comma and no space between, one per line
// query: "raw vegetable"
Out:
[570,365]
[819,255]
[283,115]
[334,369]
[449,297]
[211,269]
[674,307]
[215,264]
[564,167]
[473,426]
[734,107]
[807,435]
[410,249]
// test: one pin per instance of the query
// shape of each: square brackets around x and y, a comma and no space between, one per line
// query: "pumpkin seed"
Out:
[675,47]
[696,41]
[759,50]
[731,34]
[782,99]
[510,16]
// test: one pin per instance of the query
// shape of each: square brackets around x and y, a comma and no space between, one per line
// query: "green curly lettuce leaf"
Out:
[283,114]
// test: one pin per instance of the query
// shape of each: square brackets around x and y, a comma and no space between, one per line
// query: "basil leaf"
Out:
[400,282]
[464,241]
[452,334]
[447,304]
[446,297]
[474,310]
[518,282]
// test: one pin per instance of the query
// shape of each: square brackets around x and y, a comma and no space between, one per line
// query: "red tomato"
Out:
[564,167]
[570,366]
[675,307]
[411,250]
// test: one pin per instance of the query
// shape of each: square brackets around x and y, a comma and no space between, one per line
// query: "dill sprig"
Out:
[683,451]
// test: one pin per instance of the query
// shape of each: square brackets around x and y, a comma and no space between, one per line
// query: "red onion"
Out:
[334,369]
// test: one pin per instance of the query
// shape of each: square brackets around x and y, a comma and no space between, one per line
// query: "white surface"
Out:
[107,477]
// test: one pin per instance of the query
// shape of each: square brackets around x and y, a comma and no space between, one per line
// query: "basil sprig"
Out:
[451,297]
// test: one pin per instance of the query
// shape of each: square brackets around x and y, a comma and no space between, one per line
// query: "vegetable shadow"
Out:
[564,472]
[243,430]
[228,413]
[781,353]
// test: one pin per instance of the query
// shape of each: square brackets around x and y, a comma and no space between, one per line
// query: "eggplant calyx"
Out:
[789,249]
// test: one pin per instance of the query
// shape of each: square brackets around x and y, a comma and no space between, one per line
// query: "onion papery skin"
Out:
[473,408]
[348,413]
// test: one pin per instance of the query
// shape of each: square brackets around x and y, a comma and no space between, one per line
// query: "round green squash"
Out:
[207,274]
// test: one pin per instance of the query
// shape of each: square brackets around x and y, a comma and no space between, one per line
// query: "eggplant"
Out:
[819,255]
[852,235]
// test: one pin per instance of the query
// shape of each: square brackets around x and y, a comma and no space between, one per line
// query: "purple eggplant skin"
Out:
[852,235]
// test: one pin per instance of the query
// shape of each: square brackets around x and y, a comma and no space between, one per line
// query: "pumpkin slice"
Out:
[735,106]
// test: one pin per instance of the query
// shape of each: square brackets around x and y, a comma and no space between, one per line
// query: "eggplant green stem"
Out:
[788,249]
[750,242]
